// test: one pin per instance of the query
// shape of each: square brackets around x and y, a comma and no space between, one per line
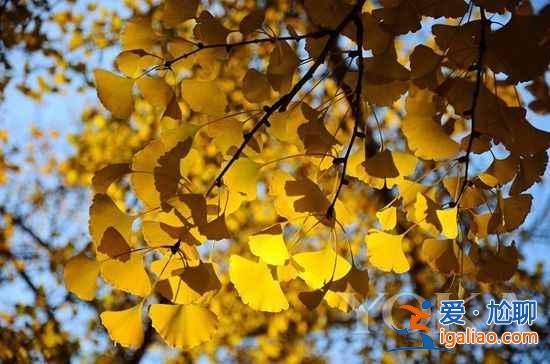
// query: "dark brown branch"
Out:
[357,113]
[282,103]
[475,97]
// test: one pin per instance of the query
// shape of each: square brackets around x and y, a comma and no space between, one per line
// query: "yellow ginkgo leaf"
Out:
[80,276]
[104,177]
[424,134]
[387,217]
[129,62]
[183,326]
[155,91]
[256,87]
[204,96]
[321,267]
[255,285]
[115,93]
[242,177]
[104,214]
[385,251]
[143,179]
[449,223]
[270,248]
[128,276]
[139,34]
[125,327]
[226,133]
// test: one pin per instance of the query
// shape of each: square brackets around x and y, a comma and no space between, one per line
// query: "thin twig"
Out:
[475,97]
[282,103]
[357,113]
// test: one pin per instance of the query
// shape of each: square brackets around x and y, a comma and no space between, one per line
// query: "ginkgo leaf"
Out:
[167,173]
[183,326]
[449,223]
[204,96]
[226,133]
[321,267]
[424,66]
[209,29]
[130,62]
[471,197]
[381,165]
[114,245]
[252,21]
[115,93]
[142,178]
[201,278]
[155,235]
[312,199]
[139,34]
[531,170]
[314,135]
[242,177]
[283,62]
[216,229]
[495,266]
[155,91]
[106,176]
[510,213]
[425,214]
[177,11]
[444,256]
[104,214]
[387,217]
[385,251]
[256,87]
[270,248]
[312,299]
[500,172]
[284,125]
[189,284]
[255,285]
[424,134]
[125,327]
[80,276]
[129,276]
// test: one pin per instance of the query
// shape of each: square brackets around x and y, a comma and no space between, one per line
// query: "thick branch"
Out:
[282,103]
[475,97]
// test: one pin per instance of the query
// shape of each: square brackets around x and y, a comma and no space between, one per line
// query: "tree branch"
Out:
[357,113]
[282,103]
[475,97]
[200,46]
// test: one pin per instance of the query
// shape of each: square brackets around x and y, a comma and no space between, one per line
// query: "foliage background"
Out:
[48,112]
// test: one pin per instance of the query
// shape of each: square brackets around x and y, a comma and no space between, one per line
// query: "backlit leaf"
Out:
[115,93]
[183,326]
[255,285]
[385,251]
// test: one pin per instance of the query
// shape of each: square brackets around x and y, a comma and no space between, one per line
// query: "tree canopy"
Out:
[253,172]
